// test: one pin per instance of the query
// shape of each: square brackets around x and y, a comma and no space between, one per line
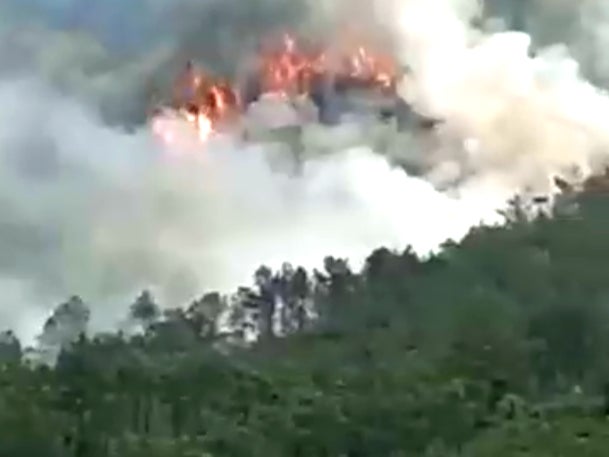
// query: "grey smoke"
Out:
[121,56]
[582,26]
[89,207]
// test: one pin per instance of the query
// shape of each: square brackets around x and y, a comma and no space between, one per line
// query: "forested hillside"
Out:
[498,346]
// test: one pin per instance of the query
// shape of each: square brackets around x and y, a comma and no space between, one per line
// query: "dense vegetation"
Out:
[498,346]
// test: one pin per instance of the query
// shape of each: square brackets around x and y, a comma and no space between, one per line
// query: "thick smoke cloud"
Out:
[88,207]
[511,118]
[90,210]
[69,70]
[582,26]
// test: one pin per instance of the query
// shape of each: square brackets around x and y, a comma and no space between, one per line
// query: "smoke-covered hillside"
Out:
[137,179]
[497,345]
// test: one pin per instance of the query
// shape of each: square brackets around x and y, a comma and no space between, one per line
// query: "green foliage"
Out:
[568,436]
[497,346]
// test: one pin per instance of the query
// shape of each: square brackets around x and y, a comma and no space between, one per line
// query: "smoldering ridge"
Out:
[121,56]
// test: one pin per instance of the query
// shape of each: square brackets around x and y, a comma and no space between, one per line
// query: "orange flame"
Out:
[370,69]
[206,103]
[202,102]
[290,70]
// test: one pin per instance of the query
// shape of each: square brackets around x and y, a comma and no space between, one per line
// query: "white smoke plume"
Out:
[511,119]
[100,213]
[91,209]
